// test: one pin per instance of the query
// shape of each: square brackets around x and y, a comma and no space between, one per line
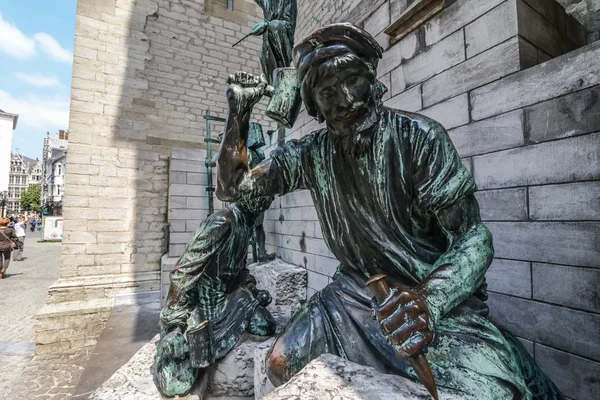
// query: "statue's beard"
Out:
[355,138]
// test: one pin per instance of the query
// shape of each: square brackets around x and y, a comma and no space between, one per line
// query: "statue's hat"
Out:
[333,40]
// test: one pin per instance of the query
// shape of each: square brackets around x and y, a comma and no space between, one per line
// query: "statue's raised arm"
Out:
[235,179]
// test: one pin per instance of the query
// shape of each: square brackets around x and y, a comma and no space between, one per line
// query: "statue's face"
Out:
[344,98]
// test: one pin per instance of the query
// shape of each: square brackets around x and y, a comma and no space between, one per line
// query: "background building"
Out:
[53,173]
[24,172]
[8,123]
[515,82]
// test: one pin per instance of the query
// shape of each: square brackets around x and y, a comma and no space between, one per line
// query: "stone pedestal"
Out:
[287,285]
[330,377]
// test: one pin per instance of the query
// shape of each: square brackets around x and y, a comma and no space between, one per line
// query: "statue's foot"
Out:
[265,257]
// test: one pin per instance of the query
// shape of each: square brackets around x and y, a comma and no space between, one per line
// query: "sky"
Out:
[36,59]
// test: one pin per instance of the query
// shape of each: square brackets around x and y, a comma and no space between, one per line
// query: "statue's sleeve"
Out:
[439,179]
[208,242]
[291,160]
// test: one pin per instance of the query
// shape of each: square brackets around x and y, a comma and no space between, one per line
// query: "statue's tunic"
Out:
[377,216]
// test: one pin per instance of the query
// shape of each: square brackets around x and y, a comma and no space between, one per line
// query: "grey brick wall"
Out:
[528,132]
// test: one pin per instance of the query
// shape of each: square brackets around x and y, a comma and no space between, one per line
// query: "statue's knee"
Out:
[276,365]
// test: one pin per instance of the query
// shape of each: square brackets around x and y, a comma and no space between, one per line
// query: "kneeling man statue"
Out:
[392,198]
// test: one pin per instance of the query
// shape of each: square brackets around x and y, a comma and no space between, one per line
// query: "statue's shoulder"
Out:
[416,127]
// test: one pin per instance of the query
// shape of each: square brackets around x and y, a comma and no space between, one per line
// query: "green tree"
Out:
[30,198]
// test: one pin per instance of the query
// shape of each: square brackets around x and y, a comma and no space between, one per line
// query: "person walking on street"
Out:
[8,241]
[20,232]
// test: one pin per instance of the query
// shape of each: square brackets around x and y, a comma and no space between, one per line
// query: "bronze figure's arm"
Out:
[235,179]
[409,317]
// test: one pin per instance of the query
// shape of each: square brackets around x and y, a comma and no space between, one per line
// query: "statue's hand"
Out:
[260,28]
[244,90]
[404,320]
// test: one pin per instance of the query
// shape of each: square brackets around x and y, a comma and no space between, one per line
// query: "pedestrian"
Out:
[33,224]
[8,242]
[20,232]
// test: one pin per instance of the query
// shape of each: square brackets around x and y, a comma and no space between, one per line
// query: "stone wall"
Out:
[525,121]
[144,74]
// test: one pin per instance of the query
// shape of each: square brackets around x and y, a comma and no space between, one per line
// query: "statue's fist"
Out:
[404,320]
[244,90]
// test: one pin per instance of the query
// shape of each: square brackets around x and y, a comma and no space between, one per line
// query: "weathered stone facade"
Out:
[144,74]
[513,81]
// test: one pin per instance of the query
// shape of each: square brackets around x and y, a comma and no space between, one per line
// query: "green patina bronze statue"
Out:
[392,198]
[256,140]
[277,31]
[212,299]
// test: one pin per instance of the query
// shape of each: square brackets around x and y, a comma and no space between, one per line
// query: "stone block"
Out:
[378,21]
[409,100]
[390,60]
[317,281]
[398,82]
[575,376]
[233,376]
[570,243]
[574,114]
[287,285]
[329,377]
[573,201]
[542,33]
[486,67]
[438,58]
[262,384]
[497,133]
[568,286]
[187,154]
[450,113]
[503,205]
[493,28]
[570,72]
[574,331]
[538,165]
[457,15]
[510,277]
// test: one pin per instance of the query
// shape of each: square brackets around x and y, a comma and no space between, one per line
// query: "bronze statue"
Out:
[392,198]
[212,299]
[277,31]
[256,140]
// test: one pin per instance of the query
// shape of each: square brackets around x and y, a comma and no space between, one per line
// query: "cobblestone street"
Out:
[23,293]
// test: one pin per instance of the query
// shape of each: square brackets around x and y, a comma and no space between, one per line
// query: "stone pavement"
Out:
[22,294]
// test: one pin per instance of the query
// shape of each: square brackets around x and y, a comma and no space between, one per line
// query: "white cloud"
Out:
[39,80]
[14,42]
[38,113]
[50,46]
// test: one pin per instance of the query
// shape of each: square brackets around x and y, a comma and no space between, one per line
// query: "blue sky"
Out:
[36,51]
